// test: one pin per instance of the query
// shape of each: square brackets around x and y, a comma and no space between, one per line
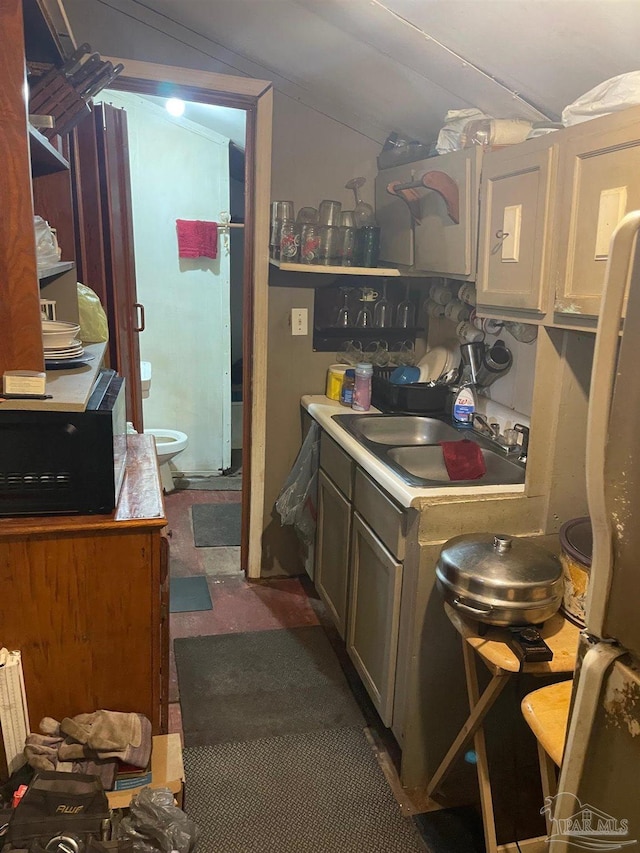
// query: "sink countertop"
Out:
[321,409]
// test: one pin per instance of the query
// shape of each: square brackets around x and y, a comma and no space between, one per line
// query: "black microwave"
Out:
[54,462]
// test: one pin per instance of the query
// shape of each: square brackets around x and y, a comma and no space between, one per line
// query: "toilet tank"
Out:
[145,378]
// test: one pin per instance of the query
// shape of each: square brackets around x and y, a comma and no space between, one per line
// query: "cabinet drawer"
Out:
[380,512]
[337,464]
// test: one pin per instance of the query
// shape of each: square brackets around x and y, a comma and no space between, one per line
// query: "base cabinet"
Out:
[374,616]
[85,599]
[332,550]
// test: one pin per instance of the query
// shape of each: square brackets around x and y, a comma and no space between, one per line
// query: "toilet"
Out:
[169,442]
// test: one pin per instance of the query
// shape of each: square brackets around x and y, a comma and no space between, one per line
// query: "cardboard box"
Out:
[167,771]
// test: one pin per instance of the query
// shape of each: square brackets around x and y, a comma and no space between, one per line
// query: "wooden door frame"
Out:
[256,98]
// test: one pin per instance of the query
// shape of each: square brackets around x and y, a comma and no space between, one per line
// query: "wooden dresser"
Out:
[86,600]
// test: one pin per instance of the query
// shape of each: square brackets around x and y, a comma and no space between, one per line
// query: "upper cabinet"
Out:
[428,214]
[515,224]
[598,183]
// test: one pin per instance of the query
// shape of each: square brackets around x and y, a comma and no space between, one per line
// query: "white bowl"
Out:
[57,333]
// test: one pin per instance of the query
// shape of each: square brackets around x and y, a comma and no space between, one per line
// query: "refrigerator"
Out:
[598,802]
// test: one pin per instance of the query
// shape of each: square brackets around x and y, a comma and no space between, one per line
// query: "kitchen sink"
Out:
[410,446]
[401,429]
[427,463]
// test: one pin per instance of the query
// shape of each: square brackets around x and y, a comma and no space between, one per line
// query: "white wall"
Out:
[179,170]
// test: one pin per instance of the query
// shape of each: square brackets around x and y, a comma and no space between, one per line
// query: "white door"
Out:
[180,170]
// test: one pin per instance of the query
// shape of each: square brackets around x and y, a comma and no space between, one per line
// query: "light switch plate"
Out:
[299,321]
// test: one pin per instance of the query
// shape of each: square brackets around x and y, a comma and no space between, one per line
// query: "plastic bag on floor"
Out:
[156,825]
[297,502]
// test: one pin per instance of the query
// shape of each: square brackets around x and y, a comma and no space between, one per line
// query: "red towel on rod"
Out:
[463,459]
[197,238]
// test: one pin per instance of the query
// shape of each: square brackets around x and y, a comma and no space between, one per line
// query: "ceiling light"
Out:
[175,106]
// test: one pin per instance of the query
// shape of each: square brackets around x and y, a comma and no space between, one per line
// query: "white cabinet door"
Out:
[374,616]
[332,550]
[515,210]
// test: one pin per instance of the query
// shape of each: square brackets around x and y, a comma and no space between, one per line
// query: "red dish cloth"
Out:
[463,459]
[197,238]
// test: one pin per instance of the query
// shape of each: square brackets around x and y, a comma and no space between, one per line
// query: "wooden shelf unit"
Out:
[323,269]
[55,269]
[45,158]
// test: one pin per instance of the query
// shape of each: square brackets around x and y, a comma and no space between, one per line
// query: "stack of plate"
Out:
[437,362]
[61,346]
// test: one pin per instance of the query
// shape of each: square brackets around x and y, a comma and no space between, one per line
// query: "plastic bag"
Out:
[47,249]
[94,328]
[450,137]
[617,93]
[297,502]
[156,824]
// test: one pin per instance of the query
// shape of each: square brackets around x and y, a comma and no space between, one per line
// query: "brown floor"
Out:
[237,604]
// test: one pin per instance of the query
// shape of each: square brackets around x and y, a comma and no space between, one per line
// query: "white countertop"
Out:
[322,409]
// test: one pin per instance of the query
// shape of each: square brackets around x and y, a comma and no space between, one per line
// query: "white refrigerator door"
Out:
[596,807]
[613,448]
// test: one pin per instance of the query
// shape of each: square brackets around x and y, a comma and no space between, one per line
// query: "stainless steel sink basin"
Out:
[409,446]
[427,463]
[402,429]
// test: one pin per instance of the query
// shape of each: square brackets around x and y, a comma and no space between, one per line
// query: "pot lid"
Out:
[576,538]
[514,569]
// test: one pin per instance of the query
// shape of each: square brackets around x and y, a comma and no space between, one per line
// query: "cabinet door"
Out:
[599,182]
[442,246]
[374,616]
[515,209]
[332,550]
[394,219]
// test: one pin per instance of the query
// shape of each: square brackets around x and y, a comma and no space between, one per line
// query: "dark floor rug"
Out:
[320,792]
[189,594]
[262,684]
[216,525]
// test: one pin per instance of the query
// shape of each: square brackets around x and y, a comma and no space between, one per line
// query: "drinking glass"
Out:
[344,314]
[406,311]
[329,212]
[307,215]
[382,309]
[365,316]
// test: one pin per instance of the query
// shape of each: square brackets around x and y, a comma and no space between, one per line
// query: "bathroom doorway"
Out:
[254,98]
[180,173]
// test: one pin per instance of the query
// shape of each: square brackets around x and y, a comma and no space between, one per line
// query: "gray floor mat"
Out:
[236,687]
[216,524]
[320,792]
[188,594]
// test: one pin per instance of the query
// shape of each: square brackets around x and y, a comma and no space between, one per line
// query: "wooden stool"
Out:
[493,649]
[546,712]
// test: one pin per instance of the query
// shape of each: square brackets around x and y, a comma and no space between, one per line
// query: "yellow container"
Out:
[335,373]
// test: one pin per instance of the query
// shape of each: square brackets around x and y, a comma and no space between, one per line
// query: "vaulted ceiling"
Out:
[383,65]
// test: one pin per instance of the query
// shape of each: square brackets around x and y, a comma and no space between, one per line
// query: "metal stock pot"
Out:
[499,580]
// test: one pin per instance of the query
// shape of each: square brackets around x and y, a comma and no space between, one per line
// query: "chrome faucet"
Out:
[492,430]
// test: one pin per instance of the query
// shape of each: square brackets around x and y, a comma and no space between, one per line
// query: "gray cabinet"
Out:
[332,550]
[374,616]
[333,530]
[441,238]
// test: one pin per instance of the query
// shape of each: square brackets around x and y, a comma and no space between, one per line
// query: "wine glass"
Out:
[382,309]
[406,311]
[344,314]
[362,212]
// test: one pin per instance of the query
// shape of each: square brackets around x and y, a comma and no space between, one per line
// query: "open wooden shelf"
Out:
[45,159]
[327,270]
[55,269]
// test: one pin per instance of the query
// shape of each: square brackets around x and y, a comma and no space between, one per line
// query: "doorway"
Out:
[255,98]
